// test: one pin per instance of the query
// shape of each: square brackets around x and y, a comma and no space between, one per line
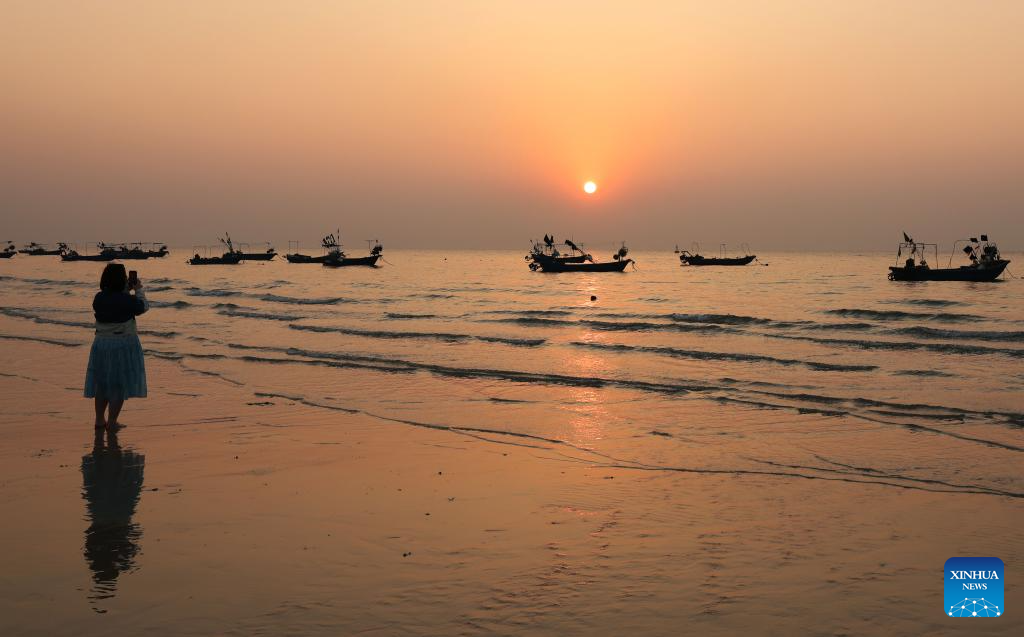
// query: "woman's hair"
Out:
[114,278]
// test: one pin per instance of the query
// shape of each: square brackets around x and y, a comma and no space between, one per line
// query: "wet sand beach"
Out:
[360,484]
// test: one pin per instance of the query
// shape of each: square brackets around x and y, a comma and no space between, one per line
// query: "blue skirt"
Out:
[116,368]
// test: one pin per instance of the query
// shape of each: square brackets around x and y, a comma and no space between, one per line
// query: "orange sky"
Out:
[475,123]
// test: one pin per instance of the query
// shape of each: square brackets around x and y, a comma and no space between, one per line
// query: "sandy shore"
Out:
[262,515]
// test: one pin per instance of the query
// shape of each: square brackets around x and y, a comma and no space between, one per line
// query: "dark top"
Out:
[116,307]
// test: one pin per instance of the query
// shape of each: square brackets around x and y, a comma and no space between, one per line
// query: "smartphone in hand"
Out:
[133,279]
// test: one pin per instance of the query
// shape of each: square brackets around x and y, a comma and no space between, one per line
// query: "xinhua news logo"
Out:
[974,587]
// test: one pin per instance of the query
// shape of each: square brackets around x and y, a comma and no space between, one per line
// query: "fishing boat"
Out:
[231,257]
[140,250]
[547,250]
[125,252]
[226,259]
[986,264]
[38,250]
[267,255]
[9,251]
[330,244]
[617,264]
[156,253]
[339,259]
[106,253]
[696,258]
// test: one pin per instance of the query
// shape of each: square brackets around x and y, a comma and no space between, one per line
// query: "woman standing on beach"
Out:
[116,368]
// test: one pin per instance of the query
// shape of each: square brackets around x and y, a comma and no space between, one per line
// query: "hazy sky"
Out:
[438,124]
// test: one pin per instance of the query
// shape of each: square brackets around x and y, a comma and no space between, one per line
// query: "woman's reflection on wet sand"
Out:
[112,483]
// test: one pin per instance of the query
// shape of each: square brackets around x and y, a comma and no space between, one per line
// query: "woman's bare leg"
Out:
[115,411]
[101,406]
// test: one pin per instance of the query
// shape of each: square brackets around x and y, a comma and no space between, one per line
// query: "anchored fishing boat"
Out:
[158,253]
[617,264]
[267,255]
[124,252]
[546,250]
[332,250]
[696,258]
[9,251]
[231,257]
[986,264]
[339,259]
[106,253]
[39,250]
[226,259]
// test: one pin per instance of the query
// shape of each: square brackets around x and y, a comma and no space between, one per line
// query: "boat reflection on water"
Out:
[112,483]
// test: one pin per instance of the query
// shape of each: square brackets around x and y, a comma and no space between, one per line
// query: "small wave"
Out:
[159,288]
[518,342]
[214,292]
[440,336]
[45,320]
[923,373]
[928,302]
[641,326]
[975,335]
[331,300]
[823,327]
[676,317]
[177,305]
[171,356]
[613,326]
[62,282]
[157,333]
[247,313]
[898,315]
[533,320]
[728,356]
[432,295]
[35,339]
[718,319]
[400,316]
[942,348]
[531,313]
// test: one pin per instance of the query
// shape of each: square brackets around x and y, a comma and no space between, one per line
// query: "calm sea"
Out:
[808,365]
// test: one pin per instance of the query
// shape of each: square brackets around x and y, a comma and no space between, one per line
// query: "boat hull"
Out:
[963,273]
[40,253]
[559,266]
[305,258]
[703,261]
[347,261]
[580,258]
[227,259]
[258,256]
[86,257]
[6,255]
[131,256]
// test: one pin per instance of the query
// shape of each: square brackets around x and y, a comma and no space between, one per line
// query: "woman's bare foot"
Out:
[115,426]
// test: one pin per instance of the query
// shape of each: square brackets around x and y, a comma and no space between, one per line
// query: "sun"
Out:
[590,187]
